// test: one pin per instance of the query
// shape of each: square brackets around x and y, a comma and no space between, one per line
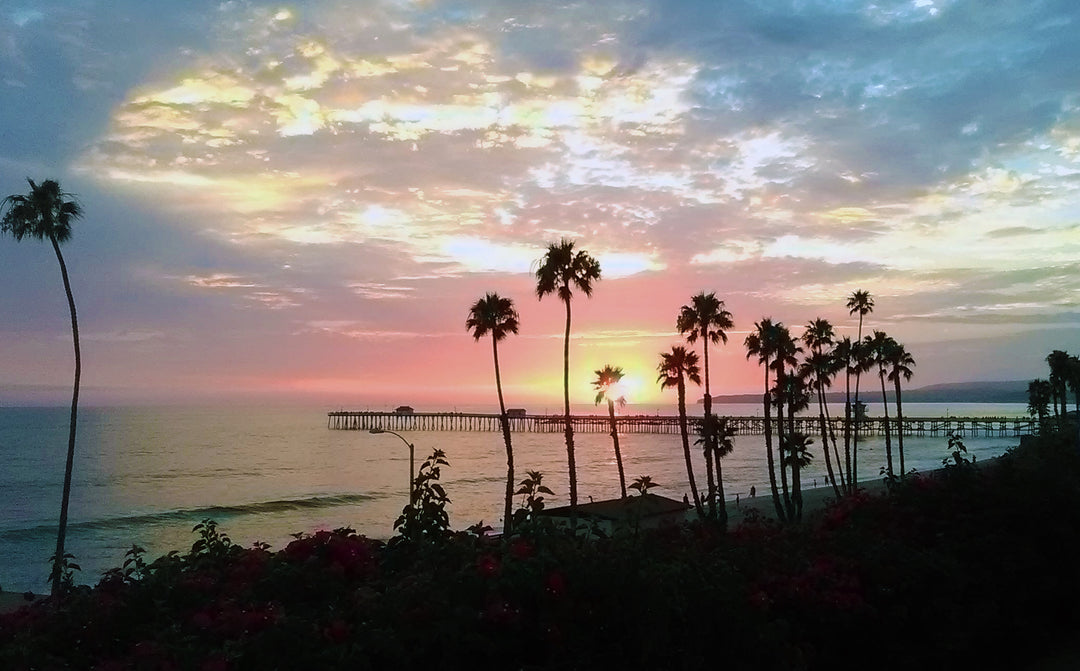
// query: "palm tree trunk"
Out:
[709,439]
[61,534]
[618,454]
[888,432]
[769,449]
[796,469]
[788,508]
[825,439]
[900,426]
[569,430]
[505,422]
[855,414]
[686,448]
[847,430]
[720,494]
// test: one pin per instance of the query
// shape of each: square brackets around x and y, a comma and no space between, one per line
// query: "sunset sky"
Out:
[303,200]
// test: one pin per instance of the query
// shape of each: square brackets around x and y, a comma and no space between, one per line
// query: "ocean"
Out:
[147,475]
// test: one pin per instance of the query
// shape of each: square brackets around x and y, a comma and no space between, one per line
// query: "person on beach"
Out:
[753,491]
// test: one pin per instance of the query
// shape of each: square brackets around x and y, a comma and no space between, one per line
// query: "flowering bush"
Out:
[948,572]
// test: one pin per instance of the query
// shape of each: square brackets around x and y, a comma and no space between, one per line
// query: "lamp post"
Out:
[412,458]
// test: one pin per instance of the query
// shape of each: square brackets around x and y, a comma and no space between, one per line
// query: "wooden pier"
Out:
[667,424]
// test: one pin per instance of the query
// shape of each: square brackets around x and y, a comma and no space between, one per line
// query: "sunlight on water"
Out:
[147,475]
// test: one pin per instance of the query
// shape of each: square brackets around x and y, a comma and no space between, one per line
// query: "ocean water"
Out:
[147,475]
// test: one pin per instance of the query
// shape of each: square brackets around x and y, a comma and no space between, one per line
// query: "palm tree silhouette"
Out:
[47,213]
[706,318]
[762,344]
[785,394]
[1059,373]
[900,364]
[1039,395]
[676,367]
[797,457]
[881,347]
[818,369]
[716,431]
[606,378]
[496,315]
[561,269]
[860,302]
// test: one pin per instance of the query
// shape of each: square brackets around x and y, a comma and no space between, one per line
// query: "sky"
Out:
[302,200]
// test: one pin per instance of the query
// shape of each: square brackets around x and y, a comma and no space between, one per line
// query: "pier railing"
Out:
[667,424]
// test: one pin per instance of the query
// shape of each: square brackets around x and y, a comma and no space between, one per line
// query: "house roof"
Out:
[647,505]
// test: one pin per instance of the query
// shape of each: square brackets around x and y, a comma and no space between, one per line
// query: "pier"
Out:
[668,424]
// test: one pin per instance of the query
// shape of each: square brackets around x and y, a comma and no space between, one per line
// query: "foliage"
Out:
[643,484]
[532,489]
[992,555]
[958,453]
[425,518]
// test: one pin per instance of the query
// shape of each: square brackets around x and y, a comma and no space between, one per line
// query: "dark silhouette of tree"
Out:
[900,363]
[761,342]
[715,430]
[881,346]
[47,213]
[676,367]
[785,364]
[606,378]
[1039,396]
[818,369]
[1059,375]
[706,318]
[796,451]
[862,303]
[496,315]
[561,270]
[1074,382]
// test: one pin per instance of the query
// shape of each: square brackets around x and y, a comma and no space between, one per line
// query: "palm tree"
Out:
[706,318]
[496,315]
[761,342]
[47,213]
[819,368]
[1074,382]
[1059,373]
[881,347]
[676,367]
[606,378]
[786,394]
[860,302]
[1039,395]
[562,269]
[900,364]
[797,457]
[718,436]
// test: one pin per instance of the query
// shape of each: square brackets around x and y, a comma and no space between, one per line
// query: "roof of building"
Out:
[646,505]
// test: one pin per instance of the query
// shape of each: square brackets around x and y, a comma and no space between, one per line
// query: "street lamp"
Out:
[412,458]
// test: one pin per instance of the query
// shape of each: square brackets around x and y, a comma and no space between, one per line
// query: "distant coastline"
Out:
[1003,391]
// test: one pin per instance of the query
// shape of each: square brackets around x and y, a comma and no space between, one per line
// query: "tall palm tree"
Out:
[797,457]
[900,364]
[761,342]
[561,270]
[47,213]
[818,369]
[881,345]
[606,379]
[676,367]
[496,315]
[1039,395]
[1059,374]
[706,318]
[860,302]
[785,394]
[716,431]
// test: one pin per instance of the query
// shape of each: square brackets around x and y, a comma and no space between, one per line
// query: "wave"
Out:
[216,513]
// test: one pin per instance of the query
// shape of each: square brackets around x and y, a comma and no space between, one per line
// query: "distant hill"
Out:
[1000,391]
